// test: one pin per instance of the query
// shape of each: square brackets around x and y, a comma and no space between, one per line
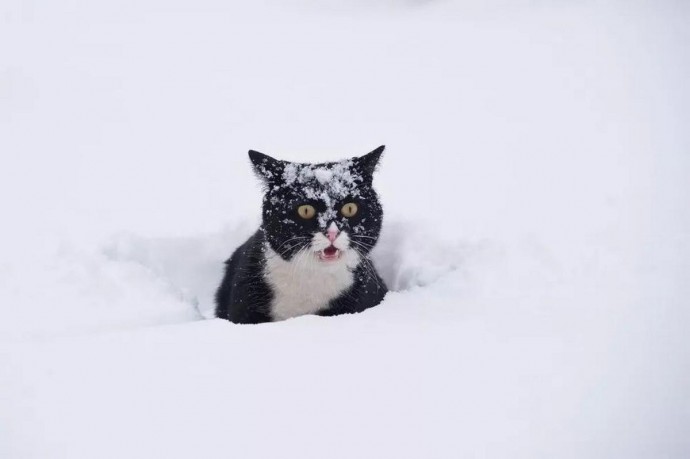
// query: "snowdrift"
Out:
[535,238]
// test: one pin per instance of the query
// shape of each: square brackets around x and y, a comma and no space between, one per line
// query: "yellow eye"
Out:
[349,209]
[306,211]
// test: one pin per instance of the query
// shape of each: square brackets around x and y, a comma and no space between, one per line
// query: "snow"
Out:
[323,175]
[321,183]
[536,231]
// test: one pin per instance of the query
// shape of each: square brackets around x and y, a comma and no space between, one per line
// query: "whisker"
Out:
[364,246]
[291,247]
[291,239]
[369,267]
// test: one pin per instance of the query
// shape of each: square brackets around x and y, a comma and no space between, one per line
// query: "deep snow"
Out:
[536,236]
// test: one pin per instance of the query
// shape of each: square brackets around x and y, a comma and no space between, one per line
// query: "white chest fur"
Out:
[304,285]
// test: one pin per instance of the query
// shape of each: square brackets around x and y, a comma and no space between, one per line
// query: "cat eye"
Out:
[349,209]
[306,211]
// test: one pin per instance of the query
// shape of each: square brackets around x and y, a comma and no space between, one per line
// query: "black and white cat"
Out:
[311,253]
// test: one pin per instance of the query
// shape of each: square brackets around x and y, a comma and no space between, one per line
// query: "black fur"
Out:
[244,296]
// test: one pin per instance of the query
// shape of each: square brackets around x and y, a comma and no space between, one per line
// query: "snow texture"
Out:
[327,184]
[535,240]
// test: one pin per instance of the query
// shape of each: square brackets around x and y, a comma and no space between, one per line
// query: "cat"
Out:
[311,252]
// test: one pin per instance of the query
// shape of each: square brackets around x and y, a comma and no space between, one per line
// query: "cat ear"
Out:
[367,163]
[267,168]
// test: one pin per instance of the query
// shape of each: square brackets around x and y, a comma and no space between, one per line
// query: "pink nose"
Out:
[332,235]
[332,232]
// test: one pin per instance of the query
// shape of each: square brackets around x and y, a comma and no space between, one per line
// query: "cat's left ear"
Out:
[367,163]
[268,169]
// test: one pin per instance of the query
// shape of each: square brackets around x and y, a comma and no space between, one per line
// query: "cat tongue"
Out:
[330,251]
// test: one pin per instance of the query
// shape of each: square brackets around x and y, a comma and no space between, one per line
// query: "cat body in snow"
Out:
[311,253]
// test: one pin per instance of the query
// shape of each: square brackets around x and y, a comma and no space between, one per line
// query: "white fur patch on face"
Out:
[306,284]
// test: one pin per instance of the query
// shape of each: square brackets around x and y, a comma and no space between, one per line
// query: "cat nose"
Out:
[332,232]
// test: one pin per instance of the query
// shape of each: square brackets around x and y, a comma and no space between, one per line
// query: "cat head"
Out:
[328,212]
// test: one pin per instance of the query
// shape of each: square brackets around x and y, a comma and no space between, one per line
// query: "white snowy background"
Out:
[537,196]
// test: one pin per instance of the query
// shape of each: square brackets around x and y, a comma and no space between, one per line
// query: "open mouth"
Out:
[330,253]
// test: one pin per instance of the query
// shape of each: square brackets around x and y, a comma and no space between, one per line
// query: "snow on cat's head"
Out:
[330,209]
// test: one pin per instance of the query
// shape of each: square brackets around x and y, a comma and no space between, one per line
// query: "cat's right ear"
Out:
[267,168]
